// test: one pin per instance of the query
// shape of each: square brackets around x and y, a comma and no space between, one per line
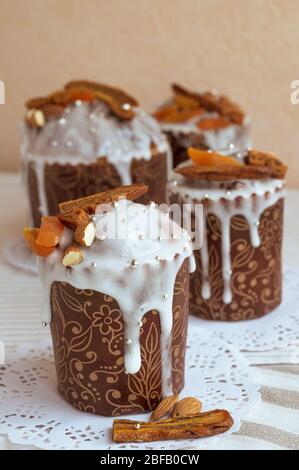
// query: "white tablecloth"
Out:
[273,424]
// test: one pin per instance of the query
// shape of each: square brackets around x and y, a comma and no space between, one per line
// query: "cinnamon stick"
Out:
[201,425]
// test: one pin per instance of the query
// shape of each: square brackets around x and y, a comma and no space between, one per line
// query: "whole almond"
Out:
[164,408]
[188,406]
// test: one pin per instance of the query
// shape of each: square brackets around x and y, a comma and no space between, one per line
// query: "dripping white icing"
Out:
[266,193]
[107,268]
[85,133]
[238,135]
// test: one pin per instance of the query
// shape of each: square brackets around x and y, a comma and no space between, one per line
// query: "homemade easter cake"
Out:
[205,120]
[238,266]
[115,278]
[86,138]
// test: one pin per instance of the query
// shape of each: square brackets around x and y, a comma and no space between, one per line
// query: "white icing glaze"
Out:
[238,135]
[257,196]
[138,270]
[85,133]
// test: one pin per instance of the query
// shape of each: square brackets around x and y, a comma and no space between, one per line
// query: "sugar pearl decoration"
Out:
[93,264]
[137,426]
[152,205]
[62,121]
[231,145]
[140,323]
[126,106]
[257,223]
[141,236]
[78,103]
[134,263]
[158,258]
[128,341]
[102,237]
[124,220]
[44,324]
[228,193]
[165,296]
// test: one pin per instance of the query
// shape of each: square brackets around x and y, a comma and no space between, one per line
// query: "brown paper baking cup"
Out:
[66,182]
[87,333]
[256,280]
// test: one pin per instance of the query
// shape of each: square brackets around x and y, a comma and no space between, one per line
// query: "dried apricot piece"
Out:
[30,235]
[50,231]
[208,158]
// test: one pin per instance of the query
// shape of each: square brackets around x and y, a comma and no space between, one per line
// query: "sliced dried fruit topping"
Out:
[173,114]
[267,160]
[30,235]
[76,215]
[164,408]
[209,101]
[223,173]
[119,102]
[209,158]
[213,124]
[50,231]
[69,210]
[72,256]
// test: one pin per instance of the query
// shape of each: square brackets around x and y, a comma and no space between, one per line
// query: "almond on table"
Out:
[164,408]
[188,406]
[209,158]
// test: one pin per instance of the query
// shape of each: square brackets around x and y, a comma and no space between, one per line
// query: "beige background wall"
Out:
[248,49]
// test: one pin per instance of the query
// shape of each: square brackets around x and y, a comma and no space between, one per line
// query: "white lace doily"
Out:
[17,255]
[278,329]
[33,413]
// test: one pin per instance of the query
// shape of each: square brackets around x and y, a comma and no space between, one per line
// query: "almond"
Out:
[188,406]
[164,408]
[35,118]
[85,233]
[72,256]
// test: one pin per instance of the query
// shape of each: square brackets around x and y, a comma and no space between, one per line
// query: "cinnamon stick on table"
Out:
[201,425]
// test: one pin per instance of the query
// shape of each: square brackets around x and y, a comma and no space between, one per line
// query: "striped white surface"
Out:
[273,424]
